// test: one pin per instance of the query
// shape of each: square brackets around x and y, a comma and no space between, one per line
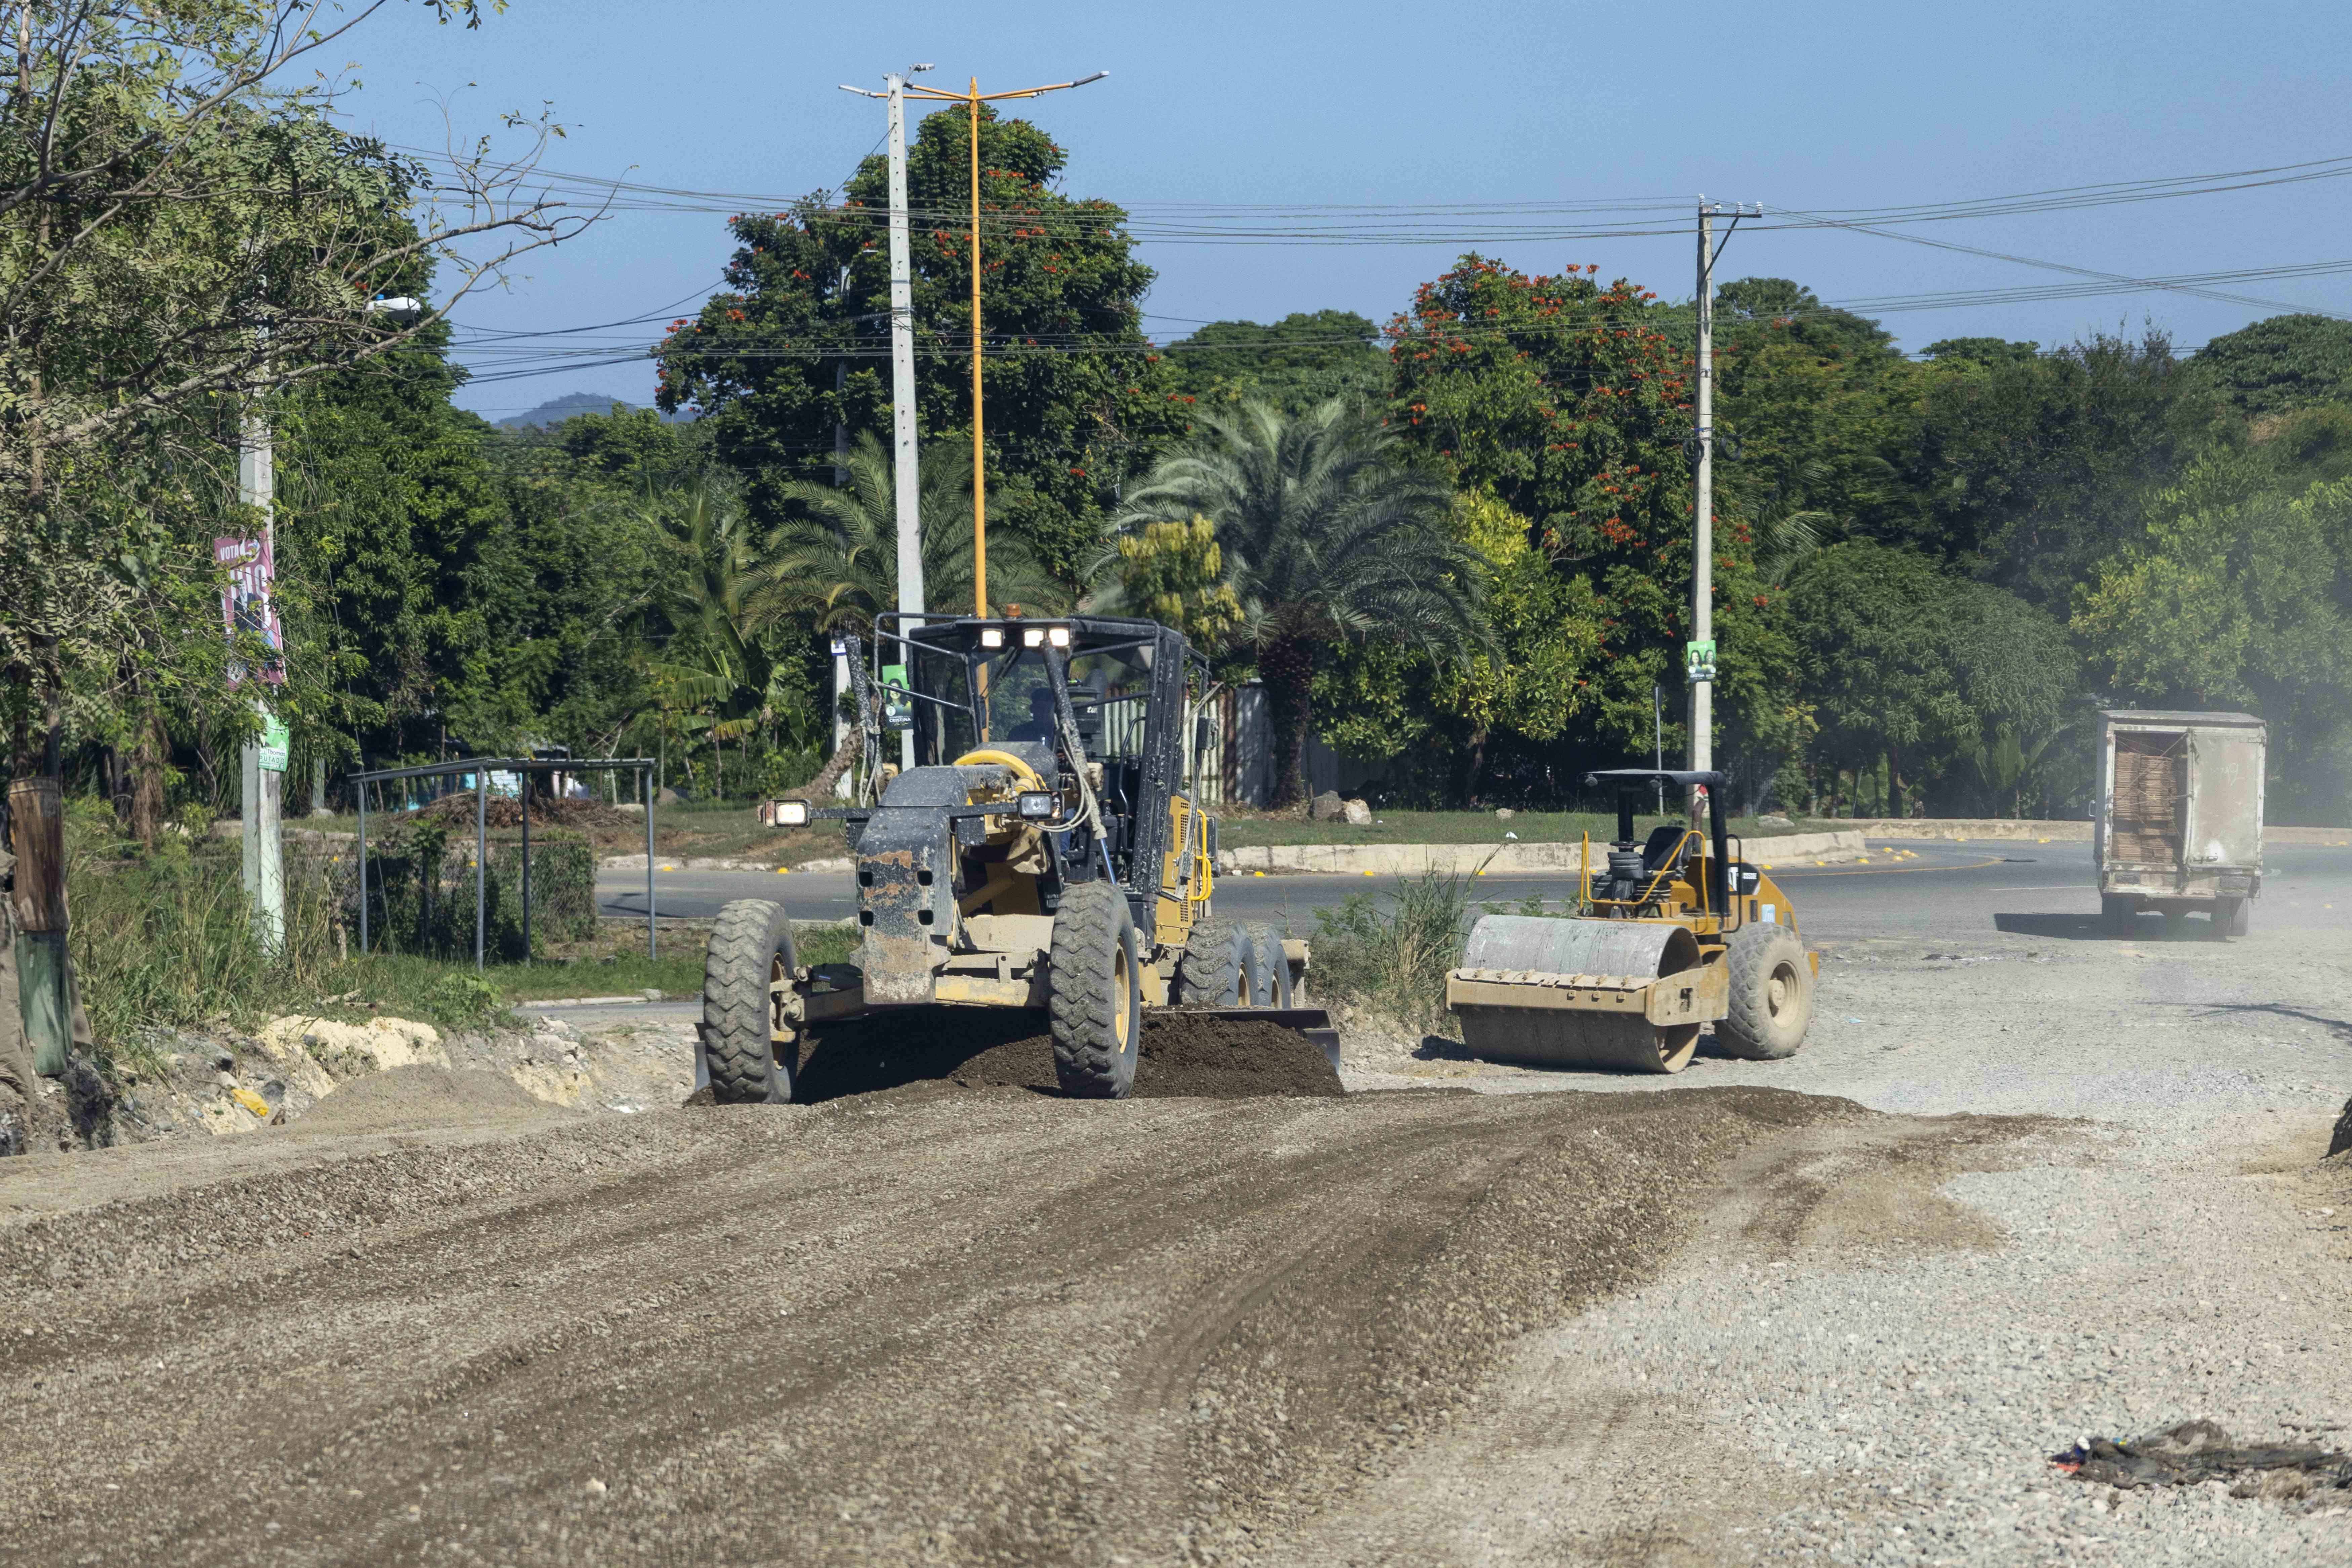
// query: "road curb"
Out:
[1498,859]
[1962,829]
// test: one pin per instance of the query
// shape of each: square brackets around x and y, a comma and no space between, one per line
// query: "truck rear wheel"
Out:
[1096,1000]
[1771,994]
[751,1052]
[1220,967]
[2229,917]
[2116,915]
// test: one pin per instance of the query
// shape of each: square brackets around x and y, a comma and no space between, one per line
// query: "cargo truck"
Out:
[2179,824]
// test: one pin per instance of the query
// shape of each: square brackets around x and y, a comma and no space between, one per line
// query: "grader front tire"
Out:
[751,1055]
[1097,1001]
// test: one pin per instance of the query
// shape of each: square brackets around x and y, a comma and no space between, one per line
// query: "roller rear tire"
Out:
[753,1053]
[1096,999]
[1771,994]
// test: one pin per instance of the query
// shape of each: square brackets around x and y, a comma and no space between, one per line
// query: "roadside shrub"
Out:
[168,940]
[1393,960]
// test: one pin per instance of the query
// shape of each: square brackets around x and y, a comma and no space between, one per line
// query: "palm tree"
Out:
[837,558]
[723,676]
[1326,534]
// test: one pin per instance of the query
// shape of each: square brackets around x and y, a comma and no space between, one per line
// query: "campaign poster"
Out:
[248,606]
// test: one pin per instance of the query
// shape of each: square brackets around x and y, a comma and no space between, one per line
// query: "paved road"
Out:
[1924,889]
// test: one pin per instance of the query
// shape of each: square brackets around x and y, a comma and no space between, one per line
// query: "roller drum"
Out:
[1554,1036]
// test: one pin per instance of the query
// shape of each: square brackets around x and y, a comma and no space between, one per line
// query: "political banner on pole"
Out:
[249,606]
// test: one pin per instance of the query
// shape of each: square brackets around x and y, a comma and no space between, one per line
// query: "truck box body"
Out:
[2179,818]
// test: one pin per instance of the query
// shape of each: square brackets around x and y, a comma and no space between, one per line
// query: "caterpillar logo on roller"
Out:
[1045,851]
[1676,934]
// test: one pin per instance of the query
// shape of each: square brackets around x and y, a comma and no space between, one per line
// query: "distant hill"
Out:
[572,405]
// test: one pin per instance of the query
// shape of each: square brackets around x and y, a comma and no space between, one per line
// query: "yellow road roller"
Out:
[1675,932]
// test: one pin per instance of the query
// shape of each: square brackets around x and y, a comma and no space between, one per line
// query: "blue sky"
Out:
[1818,106]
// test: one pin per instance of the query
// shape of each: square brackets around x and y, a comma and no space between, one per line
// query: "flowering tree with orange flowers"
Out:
[1570,401]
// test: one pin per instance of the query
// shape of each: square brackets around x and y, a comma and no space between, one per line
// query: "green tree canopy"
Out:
[2030,470]
[2275,365]
[796,346]
[1293,364]
[1873,628]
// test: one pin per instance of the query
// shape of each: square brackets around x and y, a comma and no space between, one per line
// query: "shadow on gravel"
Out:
[2087,928]
[2336,1027]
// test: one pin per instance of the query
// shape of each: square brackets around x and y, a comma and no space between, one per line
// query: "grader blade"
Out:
[1623,994]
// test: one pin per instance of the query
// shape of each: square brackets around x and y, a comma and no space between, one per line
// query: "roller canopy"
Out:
[1680,780]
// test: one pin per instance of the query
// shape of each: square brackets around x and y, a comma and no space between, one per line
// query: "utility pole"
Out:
[263,762]
[1699,656]
[906,474]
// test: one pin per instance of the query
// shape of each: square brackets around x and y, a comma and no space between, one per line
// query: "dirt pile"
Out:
[1191,1058]
[1230,1059]
[423,1096]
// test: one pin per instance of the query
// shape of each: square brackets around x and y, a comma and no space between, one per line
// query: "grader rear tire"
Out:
[1097,1001]
[1219,969]
[752,1058]
[1771,994]
[1273,989]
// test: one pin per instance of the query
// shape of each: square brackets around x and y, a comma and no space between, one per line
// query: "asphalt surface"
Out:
[1924,888]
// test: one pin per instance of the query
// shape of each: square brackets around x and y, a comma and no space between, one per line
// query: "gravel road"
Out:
[2021,1186]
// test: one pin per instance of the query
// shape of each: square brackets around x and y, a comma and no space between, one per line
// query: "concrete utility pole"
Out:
[907,475]
[264,775]
[1702,697]
[1700,658]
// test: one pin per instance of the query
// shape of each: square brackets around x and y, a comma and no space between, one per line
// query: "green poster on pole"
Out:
[274,743]
[898,707]
[1698,661]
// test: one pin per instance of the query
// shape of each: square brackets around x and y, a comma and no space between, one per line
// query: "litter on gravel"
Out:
[2196,1451]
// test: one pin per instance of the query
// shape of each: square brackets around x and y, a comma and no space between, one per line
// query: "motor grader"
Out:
[1041,852]
[1676,934]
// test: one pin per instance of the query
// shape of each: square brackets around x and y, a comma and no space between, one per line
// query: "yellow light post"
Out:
[975,98]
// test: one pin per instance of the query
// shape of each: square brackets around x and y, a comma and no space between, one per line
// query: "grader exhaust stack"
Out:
[1678,933]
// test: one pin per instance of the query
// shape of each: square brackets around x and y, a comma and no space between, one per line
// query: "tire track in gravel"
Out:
[921,1325]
